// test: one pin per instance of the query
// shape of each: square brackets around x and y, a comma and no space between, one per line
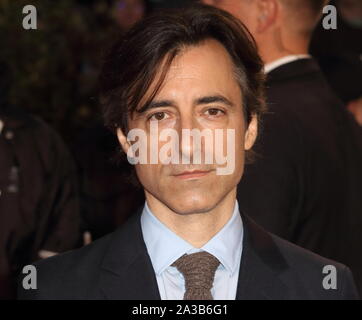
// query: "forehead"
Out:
[202,69]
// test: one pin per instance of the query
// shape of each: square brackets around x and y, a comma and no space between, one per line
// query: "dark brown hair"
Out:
[130,67]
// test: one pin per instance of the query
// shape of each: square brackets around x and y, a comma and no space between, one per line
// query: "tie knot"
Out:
[198,270]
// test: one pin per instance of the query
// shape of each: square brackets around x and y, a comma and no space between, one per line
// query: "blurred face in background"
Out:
[128,12]
[245,10]
[351,12]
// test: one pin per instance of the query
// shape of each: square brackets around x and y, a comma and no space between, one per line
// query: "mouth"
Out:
[194,174]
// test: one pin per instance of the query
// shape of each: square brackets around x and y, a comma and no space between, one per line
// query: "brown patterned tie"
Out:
[198,270]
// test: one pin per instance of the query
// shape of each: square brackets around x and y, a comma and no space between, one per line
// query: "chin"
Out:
[192,204]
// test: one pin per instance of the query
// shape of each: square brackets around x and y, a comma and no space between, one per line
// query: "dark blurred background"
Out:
[54,75]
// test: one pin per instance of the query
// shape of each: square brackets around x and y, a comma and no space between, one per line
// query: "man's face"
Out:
[351,11]
[199,92]
[245,10]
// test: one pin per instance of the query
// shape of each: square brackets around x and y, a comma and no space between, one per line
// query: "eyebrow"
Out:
[198,101]
[213,99]
[156,104]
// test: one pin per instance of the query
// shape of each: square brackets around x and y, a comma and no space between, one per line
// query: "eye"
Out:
[214,112]
[158,116]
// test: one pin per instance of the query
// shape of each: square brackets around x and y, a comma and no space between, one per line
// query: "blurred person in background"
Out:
[39,207]
[339,53]
[306,183]
[58,82]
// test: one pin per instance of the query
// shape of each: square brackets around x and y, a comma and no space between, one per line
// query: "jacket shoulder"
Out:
[70,275]
[317,277]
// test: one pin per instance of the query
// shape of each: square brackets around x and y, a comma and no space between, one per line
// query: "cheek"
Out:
[148,175]
[237,123]
[239,147]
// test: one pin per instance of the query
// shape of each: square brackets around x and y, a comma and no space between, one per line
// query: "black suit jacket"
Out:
[306,182]
[119,267]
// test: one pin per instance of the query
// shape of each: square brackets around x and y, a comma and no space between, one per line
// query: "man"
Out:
[39,213]
[306,184]
[338,52]
[197,69]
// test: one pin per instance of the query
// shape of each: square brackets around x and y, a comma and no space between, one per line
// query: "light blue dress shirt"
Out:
[165,247]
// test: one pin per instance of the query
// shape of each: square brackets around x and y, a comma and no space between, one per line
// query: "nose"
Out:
[191,144]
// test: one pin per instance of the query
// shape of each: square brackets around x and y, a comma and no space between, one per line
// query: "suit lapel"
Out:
[126,271]
[260,267]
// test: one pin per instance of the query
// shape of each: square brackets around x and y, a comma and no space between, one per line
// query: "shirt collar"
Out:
[284,60]
[165,247]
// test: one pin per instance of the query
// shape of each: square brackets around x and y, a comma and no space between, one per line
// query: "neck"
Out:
[278,46]
[196,228]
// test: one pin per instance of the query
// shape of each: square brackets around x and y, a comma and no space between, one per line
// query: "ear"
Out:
[267,14]
[123,140]
[251,133]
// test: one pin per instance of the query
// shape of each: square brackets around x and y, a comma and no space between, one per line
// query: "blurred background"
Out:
[52,75]
[54,72]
